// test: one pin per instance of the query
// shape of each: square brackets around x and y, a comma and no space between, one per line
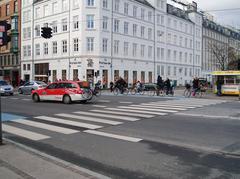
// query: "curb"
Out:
[67,165]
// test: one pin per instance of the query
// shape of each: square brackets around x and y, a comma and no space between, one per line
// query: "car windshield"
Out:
[2,83]
[40,83]
[84,84]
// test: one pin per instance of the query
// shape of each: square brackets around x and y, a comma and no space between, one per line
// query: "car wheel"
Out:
[20,91]
[35,98]
[67,99]
[11,94]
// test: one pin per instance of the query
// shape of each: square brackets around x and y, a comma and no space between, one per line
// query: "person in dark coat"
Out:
[167,85]
[159,84]
[219,87]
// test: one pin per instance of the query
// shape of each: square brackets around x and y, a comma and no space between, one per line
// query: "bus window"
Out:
[229,80]
[238,80]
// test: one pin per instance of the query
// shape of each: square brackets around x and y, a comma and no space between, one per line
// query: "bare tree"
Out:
[220,53]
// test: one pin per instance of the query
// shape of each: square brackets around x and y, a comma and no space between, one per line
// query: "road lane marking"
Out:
[26,99]
[178,104]
[124,113]
[24,133]
[126,118]
[104,134]
[47,127]
[3,97]
[169,105]
[159,107]
[125,102]
[92,119]
[99,106]
[104,101]
[137,111]
[68,122]
[147,109]
[14,98]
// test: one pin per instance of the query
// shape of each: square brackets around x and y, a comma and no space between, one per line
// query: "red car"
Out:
[65,91]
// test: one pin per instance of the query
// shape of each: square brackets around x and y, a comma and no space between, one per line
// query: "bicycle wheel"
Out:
[187,93]
[116,91]
[98,92]
[141,92]
[133,91]
[125,92]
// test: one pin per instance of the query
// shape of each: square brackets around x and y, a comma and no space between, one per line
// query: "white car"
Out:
[28,87]
[5,88]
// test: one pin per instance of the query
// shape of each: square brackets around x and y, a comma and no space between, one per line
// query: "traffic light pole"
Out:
[33,31]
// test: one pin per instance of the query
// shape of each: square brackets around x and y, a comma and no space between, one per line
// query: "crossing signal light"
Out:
[4,36]
[46,32]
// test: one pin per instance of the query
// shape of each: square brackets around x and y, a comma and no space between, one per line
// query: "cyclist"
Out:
[120,84]
[159,85]
[196,85]
[167,84]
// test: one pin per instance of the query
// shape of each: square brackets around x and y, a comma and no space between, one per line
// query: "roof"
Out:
[145,3]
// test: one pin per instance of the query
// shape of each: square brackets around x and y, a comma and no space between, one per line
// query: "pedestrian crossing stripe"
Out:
[68,122]
[129,139]
[168,105]
[137,111]
[92,119]
[159,107]
[46,126]
[24,133]
[126,118]
[123,113]
[147,109]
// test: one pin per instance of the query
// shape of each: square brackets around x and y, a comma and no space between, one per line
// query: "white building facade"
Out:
[103,40]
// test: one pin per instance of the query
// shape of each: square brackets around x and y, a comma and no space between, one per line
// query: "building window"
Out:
[15,6]
[150,16]
[90,2]
[142,31]
[64,5]
[126,27]
[7,9]
[75,23]
[90,44]
[134,50]
[105,23]
[75,45]
[24,51]
[116,5]
[37,49]
[142,50]
[125,48]
[90,21]
[134,29]
[134,11]
[142,14]
[54,47]
[64,46]
[45,48]
[126,8]
[169,71]
[116,46]
[54,7]
[162,53]
[24,67]
[29,50]
[158,52]
[45,11]
[104,45]
[149,34]
[37,30]
[149,51]
[116,25]
[28,67]
[54,27]
[64,25]
[105,4]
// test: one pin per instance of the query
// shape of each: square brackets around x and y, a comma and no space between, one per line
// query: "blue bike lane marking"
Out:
[11,117]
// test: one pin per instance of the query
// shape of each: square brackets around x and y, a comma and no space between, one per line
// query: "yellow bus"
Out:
[230,81]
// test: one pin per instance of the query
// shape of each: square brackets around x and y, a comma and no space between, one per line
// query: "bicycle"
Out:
[117,91]
[137,90]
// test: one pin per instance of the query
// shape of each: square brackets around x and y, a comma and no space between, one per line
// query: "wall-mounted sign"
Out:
[75,63]
[90,62]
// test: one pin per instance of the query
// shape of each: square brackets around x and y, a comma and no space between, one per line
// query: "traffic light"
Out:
[46,32]
[4,36]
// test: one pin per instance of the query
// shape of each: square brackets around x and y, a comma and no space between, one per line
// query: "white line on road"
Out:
[129,139]
[14,98]
[137,111]
[46,126]
[68,122]
[3,97]
[147,109]
[99,106]
[24,133]
[159,107]
[169,105]
[126,118]
[209,116]
[26,99]
[124,113]
[104,101]
[92,119]
[125,102]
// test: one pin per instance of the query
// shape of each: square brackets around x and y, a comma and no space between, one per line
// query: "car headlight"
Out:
[1,89]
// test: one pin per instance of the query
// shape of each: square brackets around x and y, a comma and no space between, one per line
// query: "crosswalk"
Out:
[92,121]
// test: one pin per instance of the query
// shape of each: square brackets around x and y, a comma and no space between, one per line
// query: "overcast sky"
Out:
[225,17]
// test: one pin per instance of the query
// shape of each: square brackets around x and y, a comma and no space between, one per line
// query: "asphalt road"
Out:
[144,137]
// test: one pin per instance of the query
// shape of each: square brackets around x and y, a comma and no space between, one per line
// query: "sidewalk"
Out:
[19,162]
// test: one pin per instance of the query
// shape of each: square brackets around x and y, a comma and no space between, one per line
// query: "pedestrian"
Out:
[219,87]
[111,86]
[195,85]
[159,84]
[167,84]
